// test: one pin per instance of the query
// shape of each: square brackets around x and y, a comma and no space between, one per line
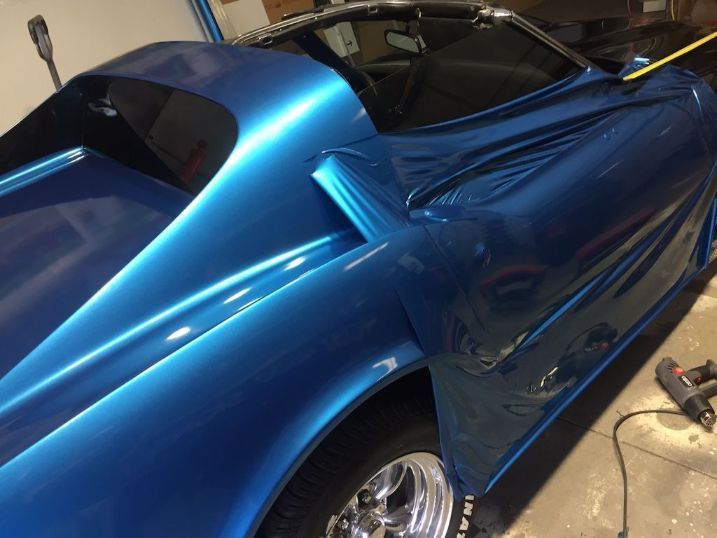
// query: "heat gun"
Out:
[685,388]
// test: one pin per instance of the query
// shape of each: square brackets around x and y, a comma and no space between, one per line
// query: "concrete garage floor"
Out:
[568,483]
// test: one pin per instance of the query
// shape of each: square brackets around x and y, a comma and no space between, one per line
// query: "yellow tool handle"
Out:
[671,57]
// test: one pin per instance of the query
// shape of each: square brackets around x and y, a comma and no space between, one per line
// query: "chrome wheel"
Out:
[409,497]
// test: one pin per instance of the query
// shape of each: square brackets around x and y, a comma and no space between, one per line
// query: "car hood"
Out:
[654,41]
[621,40]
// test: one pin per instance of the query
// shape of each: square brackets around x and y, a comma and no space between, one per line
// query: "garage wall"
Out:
[247,15]
[520,5]
[84,33]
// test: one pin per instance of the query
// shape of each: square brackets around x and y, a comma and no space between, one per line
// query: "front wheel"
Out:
[378,475]
[410,496]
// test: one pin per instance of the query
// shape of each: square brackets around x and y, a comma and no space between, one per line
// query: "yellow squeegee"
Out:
[668,59]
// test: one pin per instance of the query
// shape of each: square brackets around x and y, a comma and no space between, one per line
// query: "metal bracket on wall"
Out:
[40,36]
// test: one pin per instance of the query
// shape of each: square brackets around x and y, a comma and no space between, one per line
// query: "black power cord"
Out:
[621,459]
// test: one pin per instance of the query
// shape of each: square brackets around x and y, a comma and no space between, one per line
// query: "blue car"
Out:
[333,278]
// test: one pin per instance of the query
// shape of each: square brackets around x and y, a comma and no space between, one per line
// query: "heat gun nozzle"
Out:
[708,418]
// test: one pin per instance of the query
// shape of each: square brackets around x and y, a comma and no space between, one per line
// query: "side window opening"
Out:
[181,136]
[171,135]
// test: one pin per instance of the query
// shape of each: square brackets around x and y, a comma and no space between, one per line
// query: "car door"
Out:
[569,205]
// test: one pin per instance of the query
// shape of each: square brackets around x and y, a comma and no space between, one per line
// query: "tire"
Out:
[380,433]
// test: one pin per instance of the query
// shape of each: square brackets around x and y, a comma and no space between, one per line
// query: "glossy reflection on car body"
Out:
[513,252]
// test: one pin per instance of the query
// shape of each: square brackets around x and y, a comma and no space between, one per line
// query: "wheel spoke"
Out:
[388,481]
[395,521]
[408,498]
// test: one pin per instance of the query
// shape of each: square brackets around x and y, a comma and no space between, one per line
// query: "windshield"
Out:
[425,71]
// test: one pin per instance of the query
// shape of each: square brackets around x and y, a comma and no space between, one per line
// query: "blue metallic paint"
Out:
[70,223]
[180,397]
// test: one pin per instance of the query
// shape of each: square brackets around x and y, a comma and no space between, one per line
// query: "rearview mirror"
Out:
[404,41]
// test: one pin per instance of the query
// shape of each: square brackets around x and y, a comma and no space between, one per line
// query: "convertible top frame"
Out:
[321,17]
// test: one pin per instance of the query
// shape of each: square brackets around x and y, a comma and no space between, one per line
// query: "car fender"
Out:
[211,433]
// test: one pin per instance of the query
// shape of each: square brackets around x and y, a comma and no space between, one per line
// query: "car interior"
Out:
[427,70]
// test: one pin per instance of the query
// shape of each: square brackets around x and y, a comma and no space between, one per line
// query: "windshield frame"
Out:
[407,10]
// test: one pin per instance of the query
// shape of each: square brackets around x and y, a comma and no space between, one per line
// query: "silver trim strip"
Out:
[328,11]
[521,23]
[225,25]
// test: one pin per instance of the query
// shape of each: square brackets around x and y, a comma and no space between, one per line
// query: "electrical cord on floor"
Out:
[621,459]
